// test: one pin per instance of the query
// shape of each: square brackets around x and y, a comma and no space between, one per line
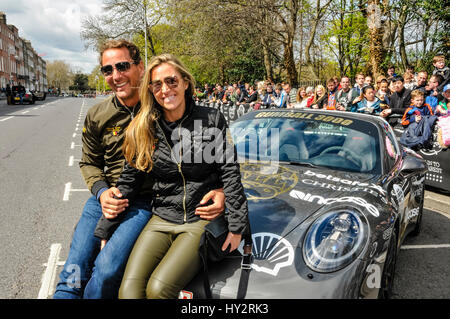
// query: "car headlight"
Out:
[334,240]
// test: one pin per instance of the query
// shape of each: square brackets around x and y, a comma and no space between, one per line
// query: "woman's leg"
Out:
[151,246]
[180,264]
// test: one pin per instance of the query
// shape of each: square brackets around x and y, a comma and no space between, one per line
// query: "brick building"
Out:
[19,62]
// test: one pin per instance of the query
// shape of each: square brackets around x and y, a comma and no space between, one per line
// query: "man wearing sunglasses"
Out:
[89,272]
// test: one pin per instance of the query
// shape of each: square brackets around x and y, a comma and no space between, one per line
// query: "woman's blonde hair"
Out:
[140,139]
[317,97]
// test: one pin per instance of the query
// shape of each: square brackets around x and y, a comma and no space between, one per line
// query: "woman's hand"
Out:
[232,239]
[111,207]
[215,209]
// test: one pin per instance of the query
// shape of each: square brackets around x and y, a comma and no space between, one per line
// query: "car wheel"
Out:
[387,278]
[418,227]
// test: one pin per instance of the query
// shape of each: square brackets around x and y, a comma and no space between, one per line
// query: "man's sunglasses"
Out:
[170,81]
[107,70]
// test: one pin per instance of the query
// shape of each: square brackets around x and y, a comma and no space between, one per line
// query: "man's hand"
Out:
[357,99]
[232,239]
[215,209]
[386,112]
[103,243]
[111,207]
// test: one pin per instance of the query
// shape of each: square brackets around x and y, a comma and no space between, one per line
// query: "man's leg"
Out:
[83,251]
[111,261]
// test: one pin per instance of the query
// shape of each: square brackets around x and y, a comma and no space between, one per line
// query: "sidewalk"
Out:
[437,202]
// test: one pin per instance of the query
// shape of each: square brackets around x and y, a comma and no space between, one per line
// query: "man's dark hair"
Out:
[118,44]
[398,78]
[365,88]
[439,78]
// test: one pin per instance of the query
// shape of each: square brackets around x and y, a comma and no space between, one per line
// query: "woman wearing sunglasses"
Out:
[166,143]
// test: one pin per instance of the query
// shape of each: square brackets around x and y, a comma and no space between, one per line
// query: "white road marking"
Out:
[425,246]
[72,146]
[68,188]
[67,191]
[6,118]
[25,112]
[72,160]
[48,279]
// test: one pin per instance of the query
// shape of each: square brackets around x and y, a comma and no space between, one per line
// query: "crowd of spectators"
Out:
[388,96]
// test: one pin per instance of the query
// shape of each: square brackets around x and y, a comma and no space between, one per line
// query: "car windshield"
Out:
[346,144]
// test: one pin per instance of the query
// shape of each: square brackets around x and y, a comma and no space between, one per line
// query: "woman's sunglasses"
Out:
[170,81]
[107,70]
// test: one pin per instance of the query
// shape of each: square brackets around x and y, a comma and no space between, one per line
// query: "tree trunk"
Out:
[401,35]
[289,62]
[300,61]
[375,38]
[267,59]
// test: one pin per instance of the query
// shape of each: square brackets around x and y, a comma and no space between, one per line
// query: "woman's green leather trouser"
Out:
[163,260]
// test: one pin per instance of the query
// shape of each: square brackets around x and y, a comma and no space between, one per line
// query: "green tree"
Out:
[80,83]
[346,37]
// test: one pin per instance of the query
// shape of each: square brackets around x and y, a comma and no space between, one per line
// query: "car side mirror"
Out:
[412,164]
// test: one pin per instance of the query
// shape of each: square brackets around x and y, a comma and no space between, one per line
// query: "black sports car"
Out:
[331,197]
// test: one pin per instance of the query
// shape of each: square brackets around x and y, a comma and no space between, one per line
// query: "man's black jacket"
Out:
[400,101]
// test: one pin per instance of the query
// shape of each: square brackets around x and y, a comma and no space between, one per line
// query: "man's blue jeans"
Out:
[91,273]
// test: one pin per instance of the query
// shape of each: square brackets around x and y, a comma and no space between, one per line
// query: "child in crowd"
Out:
[409,80]
[443,106]
[383,92]
[417,110]
[442,70]
[369,103]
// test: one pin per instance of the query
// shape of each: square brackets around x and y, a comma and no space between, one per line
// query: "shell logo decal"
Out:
[276,251]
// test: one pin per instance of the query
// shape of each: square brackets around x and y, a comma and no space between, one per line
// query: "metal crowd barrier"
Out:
[230,110]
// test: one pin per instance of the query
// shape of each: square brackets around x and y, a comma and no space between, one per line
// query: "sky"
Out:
[54,27]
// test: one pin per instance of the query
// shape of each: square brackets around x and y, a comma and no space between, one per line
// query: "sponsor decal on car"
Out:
[328,201]
[275,251]
[185,295]
[399,196]
[311,116]
[412,213]
[267,181]
[335,179]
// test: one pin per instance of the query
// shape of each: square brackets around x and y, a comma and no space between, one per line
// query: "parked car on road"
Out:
[331,197]
[27,95]
[39,96]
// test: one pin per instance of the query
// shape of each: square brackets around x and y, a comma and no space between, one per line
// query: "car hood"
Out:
[282,200]
[280,197]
